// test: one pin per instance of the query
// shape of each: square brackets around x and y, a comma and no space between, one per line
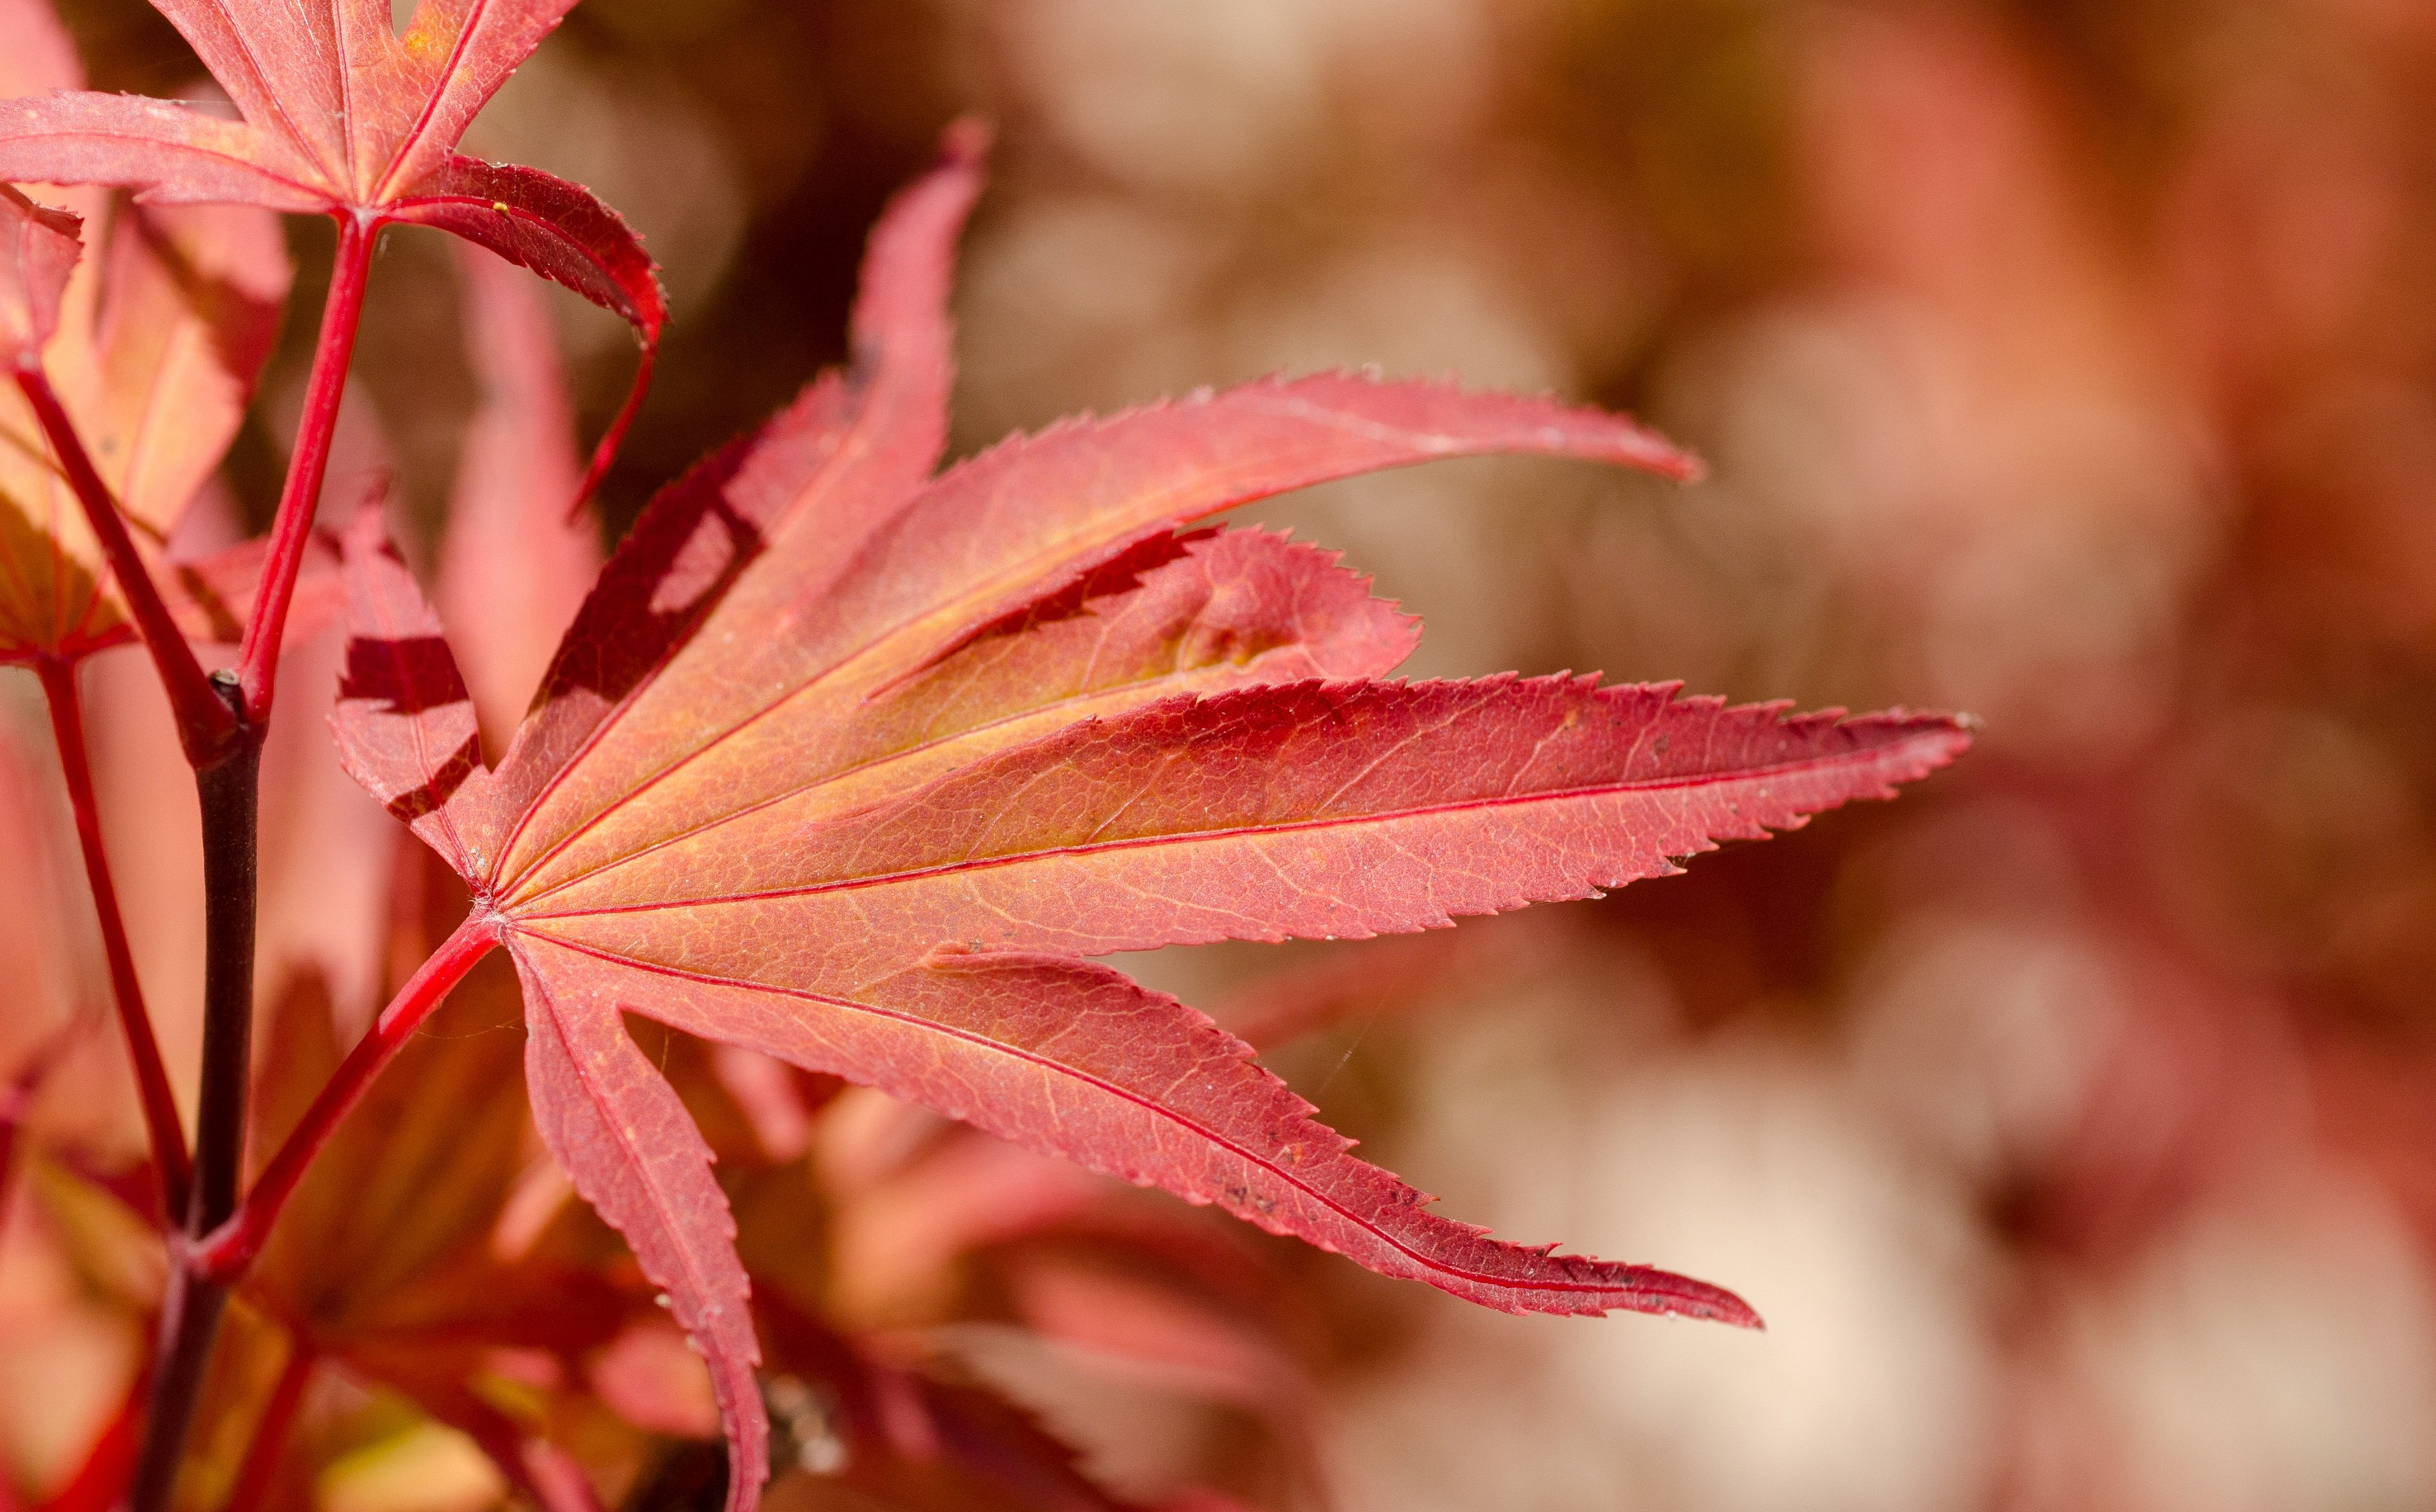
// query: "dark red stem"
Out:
[292,529]
[205,724]
[151,1078]
[261,1464]
[227,1250]
[230,793]
[227,791]
[190,1320]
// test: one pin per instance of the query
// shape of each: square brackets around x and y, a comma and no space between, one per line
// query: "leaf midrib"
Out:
[849,884]
[1366,1225]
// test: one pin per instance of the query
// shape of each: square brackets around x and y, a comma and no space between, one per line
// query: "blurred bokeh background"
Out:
[2072,1121]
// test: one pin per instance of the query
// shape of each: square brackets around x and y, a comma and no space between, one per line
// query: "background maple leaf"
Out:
[162,331]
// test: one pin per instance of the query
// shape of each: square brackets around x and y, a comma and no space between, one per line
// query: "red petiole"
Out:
[223,1254]
[258,657]
[205,723]
[168,1138]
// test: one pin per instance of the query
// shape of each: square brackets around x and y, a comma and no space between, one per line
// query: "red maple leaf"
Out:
[344,116]
[153,344]
[857,767]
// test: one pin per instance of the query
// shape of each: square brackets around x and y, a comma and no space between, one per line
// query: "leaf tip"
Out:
[364,534]
[39,249]
[58,223]
[968,141]
[1665,1293]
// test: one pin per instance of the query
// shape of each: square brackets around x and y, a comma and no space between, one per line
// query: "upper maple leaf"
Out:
[345,116]
[856,767]
[152,342]
[151,347]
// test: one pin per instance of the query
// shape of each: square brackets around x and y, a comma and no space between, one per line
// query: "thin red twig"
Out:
[226,791]
[223,1254]
[258,657]
[204,724]
[161,1123]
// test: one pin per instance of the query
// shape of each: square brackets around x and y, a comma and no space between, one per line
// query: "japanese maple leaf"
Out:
[858,767]
[151,345]
[344,116]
